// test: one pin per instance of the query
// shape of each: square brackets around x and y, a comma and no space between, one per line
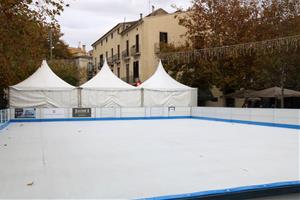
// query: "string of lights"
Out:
[278,45]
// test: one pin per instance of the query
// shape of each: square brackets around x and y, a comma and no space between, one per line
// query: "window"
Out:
[101,61]
[118,72]
[112,52]
[163,37]
[136,69]
[127,73]
[112,35]
[106,39]
[101,43]
[118,30]
[127,47]
[118,51]
[106,55]
[137,43]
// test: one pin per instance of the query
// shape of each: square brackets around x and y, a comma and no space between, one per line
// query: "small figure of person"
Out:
[137,82]
[245,104]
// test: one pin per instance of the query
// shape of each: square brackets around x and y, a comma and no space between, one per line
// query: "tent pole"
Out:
[8,97]
[142,97]
[282,97]
[282,85]
[79,98]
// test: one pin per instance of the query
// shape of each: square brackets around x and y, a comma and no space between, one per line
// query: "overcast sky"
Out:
[86,20]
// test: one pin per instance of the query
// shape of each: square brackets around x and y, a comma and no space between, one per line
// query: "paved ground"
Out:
[143,158]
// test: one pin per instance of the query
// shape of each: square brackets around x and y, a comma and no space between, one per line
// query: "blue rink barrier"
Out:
[99,119]
[268,124]
[244,192]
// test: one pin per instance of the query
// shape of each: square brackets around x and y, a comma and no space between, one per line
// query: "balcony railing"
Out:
[125,55]
[116,58]
[134,51]
[110,61]
[162,47]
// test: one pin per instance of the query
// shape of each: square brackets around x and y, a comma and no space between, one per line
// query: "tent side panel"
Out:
[194,97]
[105,98]
[155,98]
[44,99]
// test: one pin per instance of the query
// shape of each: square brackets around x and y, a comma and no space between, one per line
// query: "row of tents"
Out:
[45,89]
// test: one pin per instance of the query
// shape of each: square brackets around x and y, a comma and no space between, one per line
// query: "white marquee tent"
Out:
[43,89]
[107,90]
[162,90]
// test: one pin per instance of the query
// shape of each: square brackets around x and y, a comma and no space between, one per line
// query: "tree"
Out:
[24,31]
[65,69]
[213,23]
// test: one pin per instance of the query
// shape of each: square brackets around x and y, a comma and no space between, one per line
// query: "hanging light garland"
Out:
[278,45]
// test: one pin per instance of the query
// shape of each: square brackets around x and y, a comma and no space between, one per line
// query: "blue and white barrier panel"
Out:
[286,118]
[4,118]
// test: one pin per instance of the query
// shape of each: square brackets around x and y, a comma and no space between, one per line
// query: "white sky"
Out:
[86,20]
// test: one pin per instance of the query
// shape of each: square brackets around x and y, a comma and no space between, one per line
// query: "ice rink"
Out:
[141,158]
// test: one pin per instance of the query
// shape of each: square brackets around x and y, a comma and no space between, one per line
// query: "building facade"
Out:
[131,48]
[83,61]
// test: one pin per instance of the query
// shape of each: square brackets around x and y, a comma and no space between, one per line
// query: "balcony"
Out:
[110,61]
[125,55]
[134,52]
[162,47]
[116,59]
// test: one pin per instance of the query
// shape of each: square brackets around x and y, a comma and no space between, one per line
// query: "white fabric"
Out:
[43,79]
[110,98]
[43,89]
[162,90]
[107,90]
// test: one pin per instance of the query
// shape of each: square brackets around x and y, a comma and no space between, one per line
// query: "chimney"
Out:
[83,47]
[153,8]
[141,15]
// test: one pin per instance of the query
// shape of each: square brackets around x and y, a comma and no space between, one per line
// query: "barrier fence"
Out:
[70,113]
[277,116]
[4,118]
[239,115]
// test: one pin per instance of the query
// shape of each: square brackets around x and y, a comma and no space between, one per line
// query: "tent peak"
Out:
[44,79]
[106,79]
[163,81]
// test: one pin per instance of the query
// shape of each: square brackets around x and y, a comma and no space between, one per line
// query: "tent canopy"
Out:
[43,79]
[274,92]
[161,80]
[162,90]
[107,80]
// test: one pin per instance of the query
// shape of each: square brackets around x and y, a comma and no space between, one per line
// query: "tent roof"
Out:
[43,79]
[161,80]
[274,92]
[106,79]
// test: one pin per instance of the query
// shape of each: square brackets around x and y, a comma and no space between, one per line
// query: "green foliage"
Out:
[24,37]
[66,70]
[214,23]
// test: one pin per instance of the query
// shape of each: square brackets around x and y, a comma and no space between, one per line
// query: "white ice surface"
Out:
[133,159]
